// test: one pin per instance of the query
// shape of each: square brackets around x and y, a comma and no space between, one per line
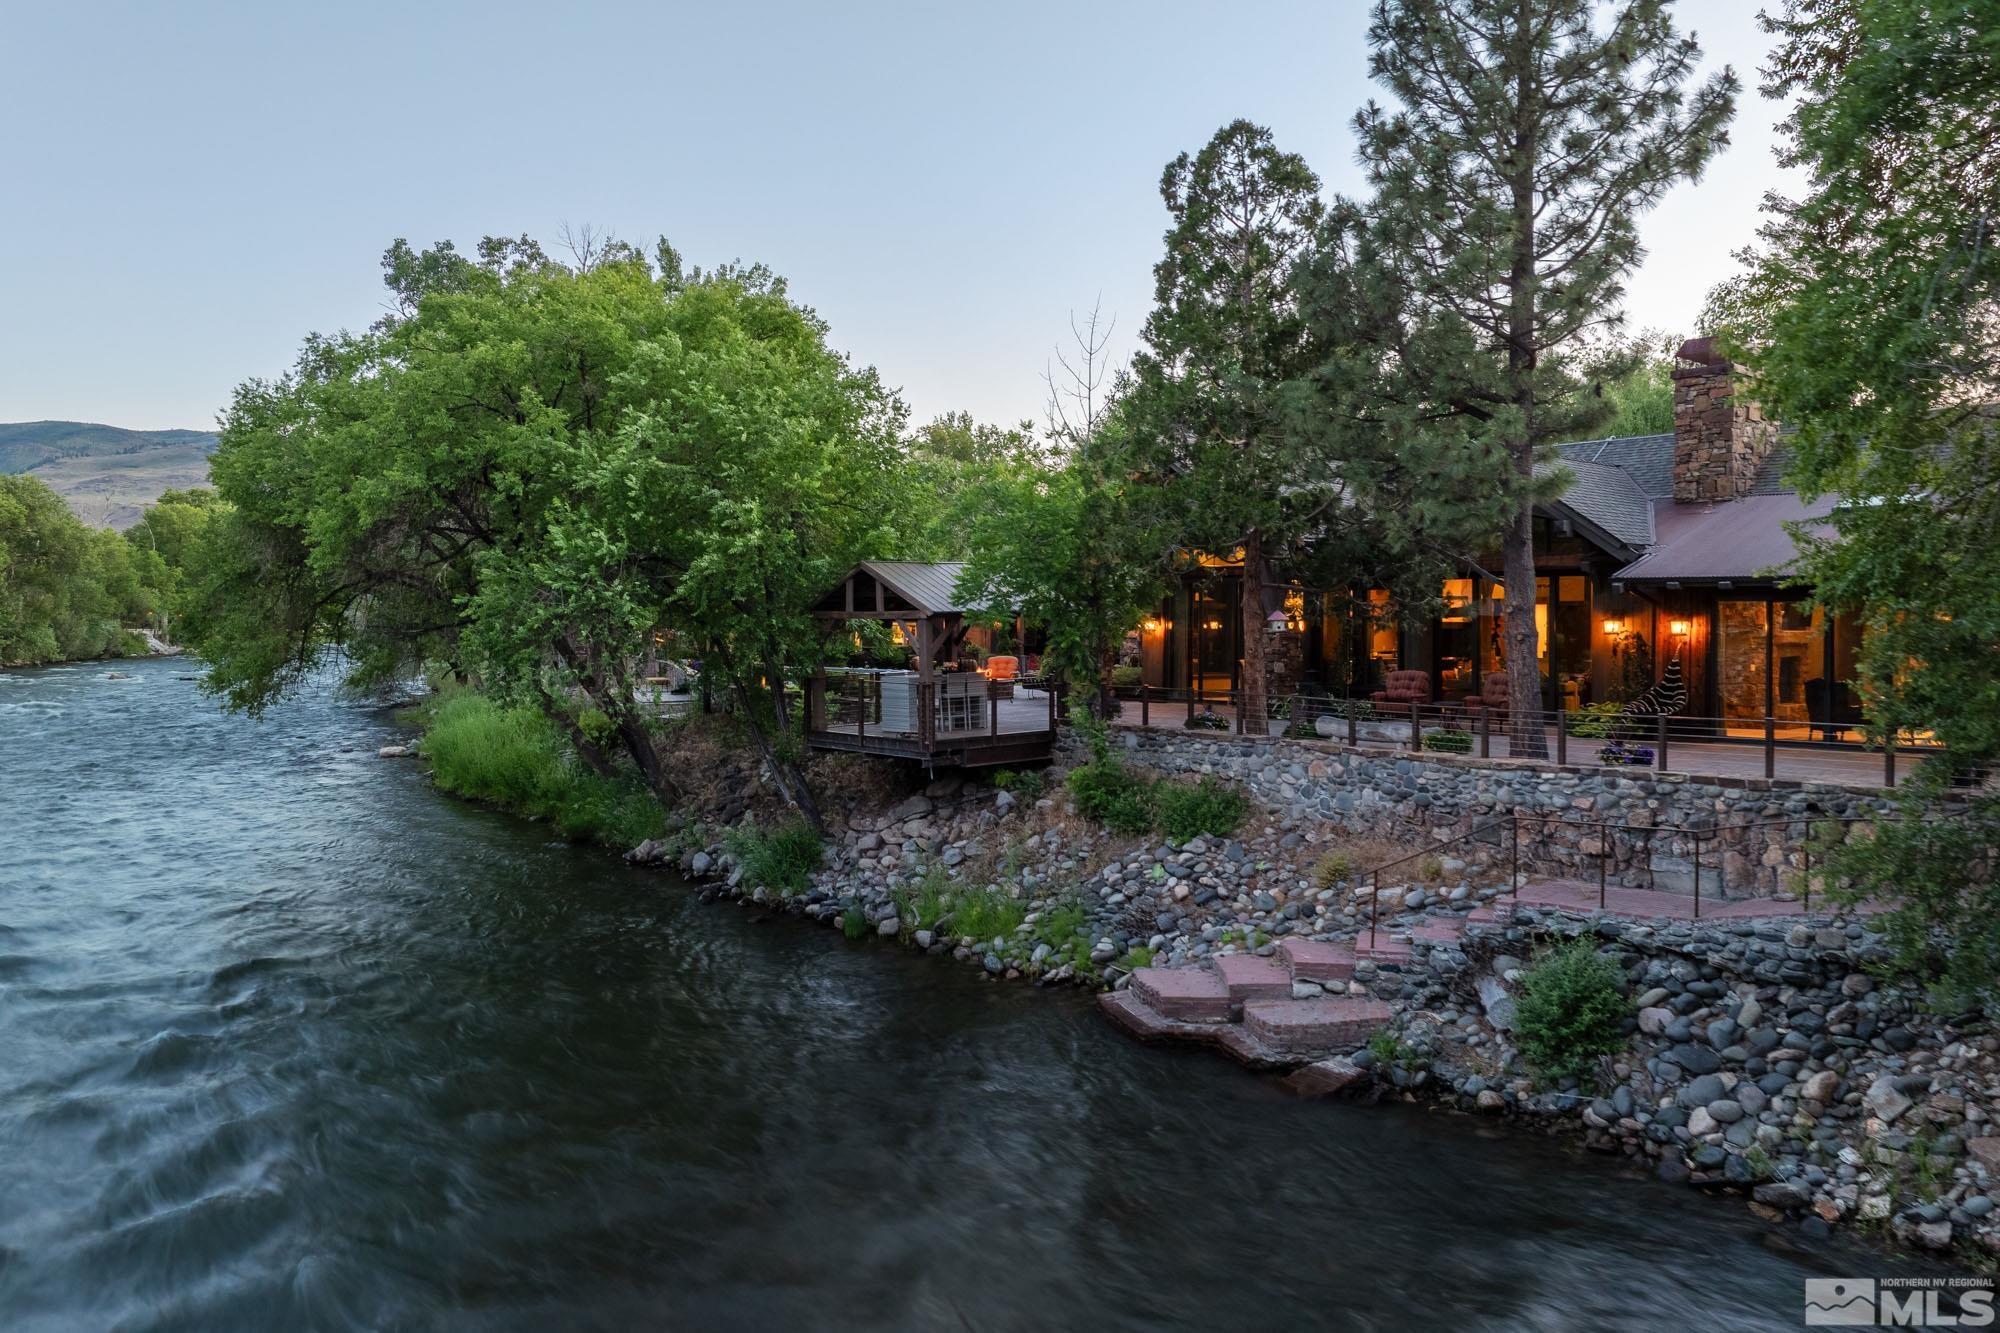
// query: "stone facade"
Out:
[1642,823]
[1720,435]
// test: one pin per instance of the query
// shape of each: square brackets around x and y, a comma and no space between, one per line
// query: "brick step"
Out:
[1316,960]
[1132,1013]
[1438,932]
[1386,950]
[1249,977]
[1314,1026]
[1188,994]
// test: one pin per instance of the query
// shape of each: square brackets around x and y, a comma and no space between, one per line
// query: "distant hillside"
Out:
[108,475]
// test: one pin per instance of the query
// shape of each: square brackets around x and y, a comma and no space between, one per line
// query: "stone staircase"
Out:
[1244,1004]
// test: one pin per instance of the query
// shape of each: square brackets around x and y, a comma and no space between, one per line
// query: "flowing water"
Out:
[289,1041]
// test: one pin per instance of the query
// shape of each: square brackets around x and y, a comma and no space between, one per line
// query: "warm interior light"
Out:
[1680,628]
[1153,626]
[1613,625]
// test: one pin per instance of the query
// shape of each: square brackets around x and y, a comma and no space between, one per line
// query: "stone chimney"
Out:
[1720,436]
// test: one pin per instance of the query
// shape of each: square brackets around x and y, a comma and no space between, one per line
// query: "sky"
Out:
[187,190]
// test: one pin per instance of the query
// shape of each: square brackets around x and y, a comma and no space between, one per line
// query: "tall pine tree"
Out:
[1528,137]
[1225,337]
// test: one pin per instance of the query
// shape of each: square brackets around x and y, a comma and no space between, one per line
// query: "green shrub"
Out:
[1136,957]
[1027,783]
[1596,721]
[1570,1011]
[1210,807]
[1126,678]
[1113,795]
[781,859]
[1333,867]
[1207,720]
[1449,740]
[984,914]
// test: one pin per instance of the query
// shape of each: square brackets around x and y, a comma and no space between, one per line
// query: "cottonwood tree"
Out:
[1223,340]
[1526,138]
[525,469]
[1872,322]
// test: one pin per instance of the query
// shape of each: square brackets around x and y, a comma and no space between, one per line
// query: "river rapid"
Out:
[291,1041]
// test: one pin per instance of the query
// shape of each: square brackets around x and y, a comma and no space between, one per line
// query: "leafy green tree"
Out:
[1057,545]
[1224,339]
[171,532]
[1527,138]
[66,590]
[527,469]
[1870,323]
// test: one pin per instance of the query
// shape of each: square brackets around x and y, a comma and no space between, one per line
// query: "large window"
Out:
[1456,645]
[1786,660]
[1214,634]
[1562,635]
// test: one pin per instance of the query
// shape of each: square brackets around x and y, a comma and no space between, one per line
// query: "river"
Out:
[293,1042]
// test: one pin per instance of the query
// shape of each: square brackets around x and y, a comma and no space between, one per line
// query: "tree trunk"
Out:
[1526,737]
[1250,698]
[790,778]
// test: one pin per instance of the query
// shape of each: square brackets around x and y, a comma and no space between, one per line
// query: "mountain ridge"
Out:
[107,474]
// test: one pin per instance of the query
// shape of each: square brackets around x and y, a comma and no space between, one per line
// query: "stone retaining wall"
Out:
[1753,844]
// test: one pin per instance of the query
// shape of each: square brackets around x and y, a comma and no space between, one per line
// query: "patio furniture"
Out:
[1492,696]
[1002,668]
[1401,689]
[1835,715]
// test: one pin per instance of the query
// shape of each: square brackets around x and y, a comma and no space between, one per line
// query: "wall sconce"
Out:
[1613,626]
[1152,626]
[1680,628]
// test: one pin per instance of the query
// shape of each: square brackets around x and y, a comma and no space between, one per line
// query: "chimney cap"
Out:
[1702,351]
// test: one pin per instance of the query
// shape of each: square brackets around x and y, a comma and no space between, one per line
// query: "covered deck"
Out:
[938,710]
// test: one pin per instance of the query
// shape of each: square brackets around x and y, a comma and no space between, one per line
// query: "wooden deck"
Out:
[1016,731]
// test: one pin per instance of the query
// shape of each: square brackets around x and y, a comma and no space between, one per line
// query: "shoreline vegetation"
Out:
[1669,1047]
[73,593]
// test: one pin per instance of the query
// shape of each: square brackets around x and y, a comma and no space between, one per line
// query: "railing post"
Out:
[1889,757]
[1236,698]
[1603,854]
[1416,726]
[1697,876]
[1660,744]
[1485,733]
[1770,747]
[992,711]
[1353,726]
[1562,735]
[1374,907]
[861,714]
[1145,704]
[1514,864]
[1192,692]
[1805,887]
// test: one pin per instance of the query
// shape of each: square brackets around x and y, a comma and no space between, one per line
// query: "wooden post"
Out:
[1805,889]
[1562,736]
[1192,693]
[1485,733]
[1770,747]
[1353,727]
[1889,758]
[1145,704]
[1374,905]
[1697,876]
[1416,726]
[992,710]
[1514,872]
[1603,855]
[1660,743]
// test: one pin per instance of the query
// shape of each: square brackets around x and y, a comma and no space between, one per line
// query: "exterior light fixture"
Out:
[1613,625]
[1680,628]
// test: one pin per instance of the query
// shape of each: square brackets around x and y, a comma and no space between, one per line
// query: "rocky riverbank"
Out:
[1766,1059]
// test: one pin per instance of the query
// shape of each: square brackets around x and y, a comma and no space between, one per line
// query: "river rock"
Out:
[1821,1087]
[1884,1101]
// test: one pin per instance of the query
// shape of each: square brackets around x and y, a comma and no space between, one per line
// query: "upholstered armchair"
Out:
[1492,694]
[1400,689]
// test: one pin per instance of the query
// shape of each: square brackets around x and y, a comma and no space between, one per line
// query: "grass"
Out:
[1060,925]
[922,905]
[780,859]
[985,914]
[854,922]
[513,757]
[1136,957]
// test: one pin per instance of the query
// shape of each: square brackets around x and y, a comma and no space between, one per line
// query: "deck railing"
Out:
[1712,746]
[946,710]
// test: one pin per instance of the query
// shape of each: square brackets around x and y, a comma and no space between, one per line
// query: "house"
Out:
[1660,547]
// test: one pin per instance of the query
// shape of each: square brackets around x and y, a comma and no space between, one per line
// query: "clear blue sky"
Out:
[191,188]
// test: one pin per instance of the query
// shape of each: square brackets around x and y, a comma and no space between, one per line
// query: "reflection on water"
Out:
[293,1042]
